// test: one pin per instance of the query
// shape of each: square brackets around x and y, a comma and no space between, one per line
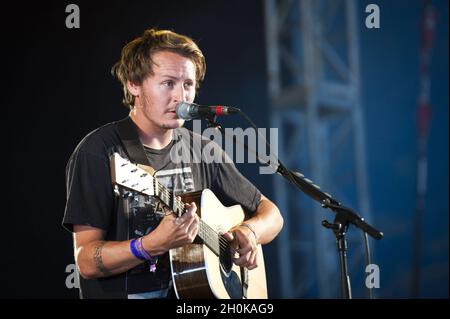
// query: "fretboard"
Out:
[210,237]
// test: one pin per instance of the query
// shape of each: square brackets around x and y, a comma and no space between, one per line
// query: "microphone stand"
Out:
[344,215]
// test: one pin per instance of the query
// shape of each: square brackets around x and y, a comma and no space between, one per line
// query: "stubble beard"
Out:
[177,124]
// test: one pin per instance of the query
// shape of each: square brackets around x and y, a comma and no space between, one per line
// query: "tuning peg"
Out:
[116,190]
[127,194]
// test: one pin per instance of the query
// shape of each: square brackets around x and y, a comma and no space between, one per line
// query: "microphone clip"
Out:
[211,121]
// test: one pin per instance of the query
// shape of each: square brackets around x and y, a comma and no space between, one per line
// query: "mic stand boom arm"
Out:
[313,191]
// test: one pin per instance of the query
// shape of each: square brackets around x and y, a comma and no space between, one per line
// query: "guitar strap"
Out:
[244,281]
[132,144]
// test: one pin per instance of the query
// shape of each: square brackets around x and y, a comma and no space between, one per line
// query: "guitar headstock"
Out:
[126,174]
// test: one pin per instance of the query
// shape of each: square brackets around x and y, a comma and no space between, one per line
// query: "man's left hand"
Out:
[243,241]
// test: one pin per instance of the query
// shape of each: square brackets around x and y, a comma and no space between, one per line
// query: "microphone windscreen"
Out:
[183,111]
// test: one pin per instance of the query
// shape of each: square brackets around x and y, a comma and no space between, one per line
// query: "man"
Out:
[115,237]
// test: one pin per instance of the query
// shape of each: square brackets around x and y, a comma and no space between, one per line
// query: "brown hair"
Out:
[136,62]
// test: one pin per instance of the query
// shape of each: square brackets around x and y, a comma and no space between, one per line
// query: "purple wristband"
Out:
[146,255]
[142,250]
[135,251]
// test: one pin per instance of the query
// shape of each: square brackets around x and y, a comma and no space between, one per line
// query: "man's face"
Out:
[172,81]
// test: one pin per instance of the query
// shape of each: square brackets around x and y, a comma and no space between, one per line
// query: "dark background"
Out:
[57,87]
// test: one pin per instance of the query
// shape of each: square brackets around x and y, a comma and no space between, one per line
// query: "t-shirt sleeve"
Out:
[233,188]
[89,191]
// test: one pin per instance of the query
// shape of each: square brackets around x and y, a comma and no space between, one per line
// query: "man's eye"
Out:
[169,83]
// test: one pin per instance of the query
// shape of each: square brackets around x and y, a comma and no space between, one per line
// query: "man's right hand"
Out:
[173,232]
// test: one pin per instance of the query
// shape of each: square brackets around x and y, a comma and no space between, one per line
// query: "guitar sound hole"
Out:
[226,261]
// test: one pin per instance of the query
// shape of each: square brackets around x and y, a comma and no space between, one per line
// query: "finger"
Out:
[247,260]
[252,267]
[193,229]
[248,248]
[252,264]
[178,213]
[228,236]
[186,216]
[242,260]
[190,210]
[187,223]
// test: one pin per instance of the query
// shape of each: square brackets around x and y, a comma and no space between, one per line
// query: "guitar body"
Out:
[198,272]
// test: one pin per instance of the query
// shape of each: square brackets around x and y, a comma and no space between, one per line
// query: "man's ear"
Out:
[133,88]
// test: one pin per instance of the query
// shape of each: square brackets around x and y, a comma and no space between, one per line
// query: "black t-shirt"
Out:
[92,199]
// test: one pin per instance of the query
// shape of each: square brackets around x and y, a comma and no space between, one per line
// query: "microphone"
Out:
[191,111]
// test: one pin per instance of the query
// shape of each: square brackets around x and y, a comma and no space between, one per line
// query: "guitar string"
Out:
[210,233]
[208,230]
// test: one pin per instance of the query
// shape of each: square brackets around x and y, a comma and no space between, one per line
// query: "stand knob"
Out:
[328,225]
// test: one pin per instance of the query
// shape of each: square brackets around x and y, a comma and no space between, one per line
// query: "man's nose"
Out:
[180,94]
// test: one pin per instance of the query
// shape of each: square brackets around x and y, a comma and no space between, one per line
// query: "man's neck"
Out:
[153,137]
